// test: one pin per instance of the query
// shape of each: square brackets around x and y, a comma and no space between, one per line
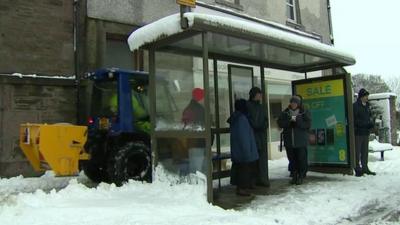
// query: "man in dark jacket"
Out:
[243,149]
[362,125]
[296,121]
[259,122]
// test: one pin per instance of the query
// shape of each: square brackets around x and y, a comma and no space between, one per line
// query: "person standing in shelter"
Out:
[362,125]
[194,114]
[244,153]
[193,117]
[259,123]
[296,121]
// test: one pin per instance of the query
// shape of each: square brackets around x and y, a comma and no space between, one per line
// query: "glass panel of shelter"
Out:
[241,81]
[220,112]
[233,82]
[179,114]
[279,92]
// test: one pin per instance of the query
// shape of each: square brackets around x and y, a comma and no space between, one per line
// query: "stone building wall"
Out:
[36,37]
[33,100]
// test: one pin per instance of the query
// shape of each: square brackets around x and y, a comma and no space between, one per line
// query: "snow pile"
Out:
[323,199]
[46,182]
[165,201]
[375,145]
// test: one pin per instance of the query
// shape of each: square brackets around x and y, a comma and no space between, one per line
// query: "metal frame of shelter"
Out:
[203,38]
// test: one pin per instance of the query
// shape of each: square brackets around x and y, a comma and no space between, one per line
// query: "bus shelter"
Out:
[185,53]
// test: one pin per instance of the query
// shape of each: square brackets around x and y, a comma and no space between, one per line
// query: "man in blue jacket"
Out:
[362,125]
[244,151]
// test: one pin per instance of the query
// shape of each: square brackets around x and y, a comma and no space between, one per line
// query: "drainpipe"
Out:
[76,56]
[330,22]
[183,10]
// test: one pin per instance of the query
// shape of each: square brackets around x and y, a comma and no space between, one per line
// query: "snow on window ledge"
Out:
[163,125]
[20,75]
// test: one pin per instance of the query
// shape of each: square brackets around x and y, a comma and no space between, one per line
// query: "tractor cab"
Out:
[118,127]
[119,101]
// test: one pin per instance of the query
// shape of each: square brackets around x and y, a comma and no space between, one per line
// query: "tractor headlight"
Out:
[110,75]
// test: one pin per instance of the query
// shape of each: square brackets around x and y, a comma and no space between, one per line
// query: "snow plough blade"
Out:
[57,147]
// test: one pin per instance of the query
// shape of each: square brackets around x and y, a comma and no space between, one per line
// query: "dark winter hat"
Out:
[253,91]
[198,94]
[362,93]
[295,99]
[241,105]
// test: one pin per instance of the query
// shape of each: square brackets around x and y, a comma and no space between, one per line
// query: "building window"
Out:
[291,10]
[230,3]
[237,2]
[117,52]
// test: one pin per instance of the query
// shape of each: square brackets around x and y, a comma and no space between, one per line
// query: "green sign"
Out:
[326,100]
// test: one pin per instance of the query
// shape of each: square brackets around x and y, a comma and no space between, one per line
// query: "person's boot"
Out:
[242,192]
[252,186]
[300,178]
[369,172]
[358,173]
[264,184]
[294,178]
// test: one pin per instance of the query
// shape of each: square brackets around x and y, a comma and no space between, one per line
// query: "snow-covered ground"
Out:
[323,199]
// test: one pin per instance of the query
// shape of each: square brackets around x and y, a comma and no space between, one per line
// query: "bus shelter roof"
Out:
[240,41]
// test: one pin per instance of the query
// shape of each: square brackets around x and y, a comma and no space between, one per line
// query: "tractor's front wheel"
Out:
[130,161]
[95,168]
[94,172]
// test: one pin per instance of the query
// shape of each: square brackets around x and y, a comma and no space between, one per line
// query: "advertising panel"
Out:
[325,98]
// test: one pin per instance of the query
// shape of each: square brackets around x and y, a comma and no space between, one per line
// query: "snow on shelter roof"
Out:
[281,49]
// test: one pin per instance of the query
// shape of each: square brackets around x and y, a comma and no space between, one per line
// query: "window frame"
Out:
[235,4]
[116,38]
[293,7]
